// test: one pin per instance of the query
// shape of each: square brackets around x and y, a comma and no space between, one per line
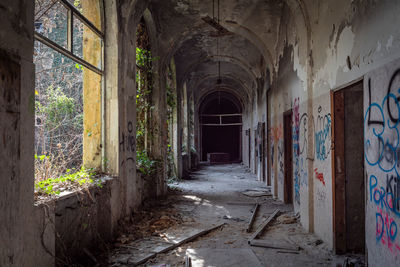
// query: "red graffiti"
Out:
[319,176]
[277,132]
[386,230]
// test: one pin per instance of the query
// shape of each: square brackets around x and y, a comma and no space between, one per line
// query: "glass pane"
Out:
[51,20]
[87,45]
[58,113]
[90,9]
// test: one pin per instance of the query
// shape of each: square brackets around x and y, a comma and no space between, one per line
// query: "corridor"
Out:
[147,131]
[214,195]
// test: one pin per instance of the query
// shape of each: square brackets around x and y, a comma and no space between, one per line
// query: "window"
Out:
[68,55]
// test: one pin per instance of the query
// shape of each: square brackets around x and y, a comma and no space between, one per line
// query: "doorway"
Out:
[348,161]
[288,155]
[220,119]
[263,152]
[249,145]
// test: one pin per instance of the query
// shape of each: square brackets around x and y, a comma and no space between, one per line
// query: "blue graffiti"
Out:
[390,227]
[323,136]
[386,154]
[383,198]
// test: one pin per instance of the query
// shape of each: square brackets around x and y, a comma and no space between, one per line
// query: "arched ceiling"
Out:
[246,52]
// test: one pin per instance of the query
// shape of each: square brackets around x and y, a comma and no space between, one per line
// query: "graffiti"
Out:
[382,141]
[321,196]
[387,206]
[382,155]
[319,176]
[299,137]
[323,135]
[272,153]
[277,132]
[393,189]
[280,156]
[382,197]
[128,143]
[296,150]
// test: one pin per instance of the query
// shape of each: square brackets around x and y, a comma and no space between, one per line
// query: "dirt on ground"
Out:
[213,195]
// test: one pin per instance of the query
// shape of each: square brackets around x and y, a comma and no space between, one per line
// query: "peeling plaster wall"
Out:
[26,235]
[365,33]
[16,132]
[381,128]
[322,168]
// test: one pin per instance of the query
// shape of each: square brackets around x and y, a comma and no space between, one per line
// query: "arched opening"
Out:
[220,128]
[69,99]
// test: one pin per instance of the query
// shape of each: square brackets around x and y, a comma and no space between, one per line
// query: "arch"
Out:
[213,79]
[220,128]
[233,27]
[223,58]
[227,94]
[243,99]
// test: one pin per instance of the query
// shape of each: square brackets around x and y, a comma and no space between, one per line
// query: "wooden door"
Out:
[288,155]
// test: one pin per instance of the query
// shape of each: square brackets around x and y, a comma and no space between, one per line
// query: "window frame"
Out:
[72,13]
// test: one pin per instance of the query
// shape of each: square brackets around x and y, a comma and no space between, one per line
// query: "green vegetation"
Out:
[145,165]
[144,104]
[53,186]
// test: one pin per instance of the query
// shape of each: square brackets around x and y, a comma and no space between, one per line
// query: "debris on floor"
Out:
[151,237]
[253,217]
[257,192]
[140,251]
[264,225]
[353,262]
[286,219]
[238,257]
[232,218]
[273,244]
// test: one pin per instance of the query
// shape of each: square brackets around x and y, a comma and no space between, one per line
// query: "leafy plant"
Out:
[145,165]
[53,186]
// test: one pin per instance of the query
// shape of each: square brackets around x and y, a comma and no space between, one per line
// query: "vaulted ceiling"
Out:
[245,52]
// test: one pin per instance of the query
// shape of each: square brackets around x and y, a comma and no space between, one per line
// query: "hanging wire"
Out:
[219,62]
[213,10]
[218,11]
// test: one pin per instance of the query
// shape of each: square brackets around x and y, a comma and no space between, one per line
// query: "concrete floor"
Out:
[207,198]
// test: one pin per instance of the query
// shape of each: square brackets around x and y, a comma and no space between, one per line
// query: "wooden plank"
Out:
[188,261]
[274,245]
[264,225]
[253,217]
[173,246]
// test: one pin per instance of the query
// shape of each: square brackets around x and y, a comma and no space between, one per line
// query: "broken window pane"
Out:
[87,44]
[58,113]
[51,20]
[91,9]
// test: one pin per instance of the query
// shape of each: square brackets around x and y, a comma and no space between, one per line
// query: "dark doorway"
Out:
[288,182]
[249,134]
[221,139]
[348,160]
[263,152]
[221,127]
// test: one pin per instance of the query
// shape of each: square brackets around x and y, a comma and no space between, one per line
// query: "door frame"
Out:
[339,167]
[288,157]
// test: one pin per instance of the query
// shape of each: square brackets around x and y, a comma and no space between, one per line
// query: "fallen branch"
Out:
[264,225]
[253,217]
